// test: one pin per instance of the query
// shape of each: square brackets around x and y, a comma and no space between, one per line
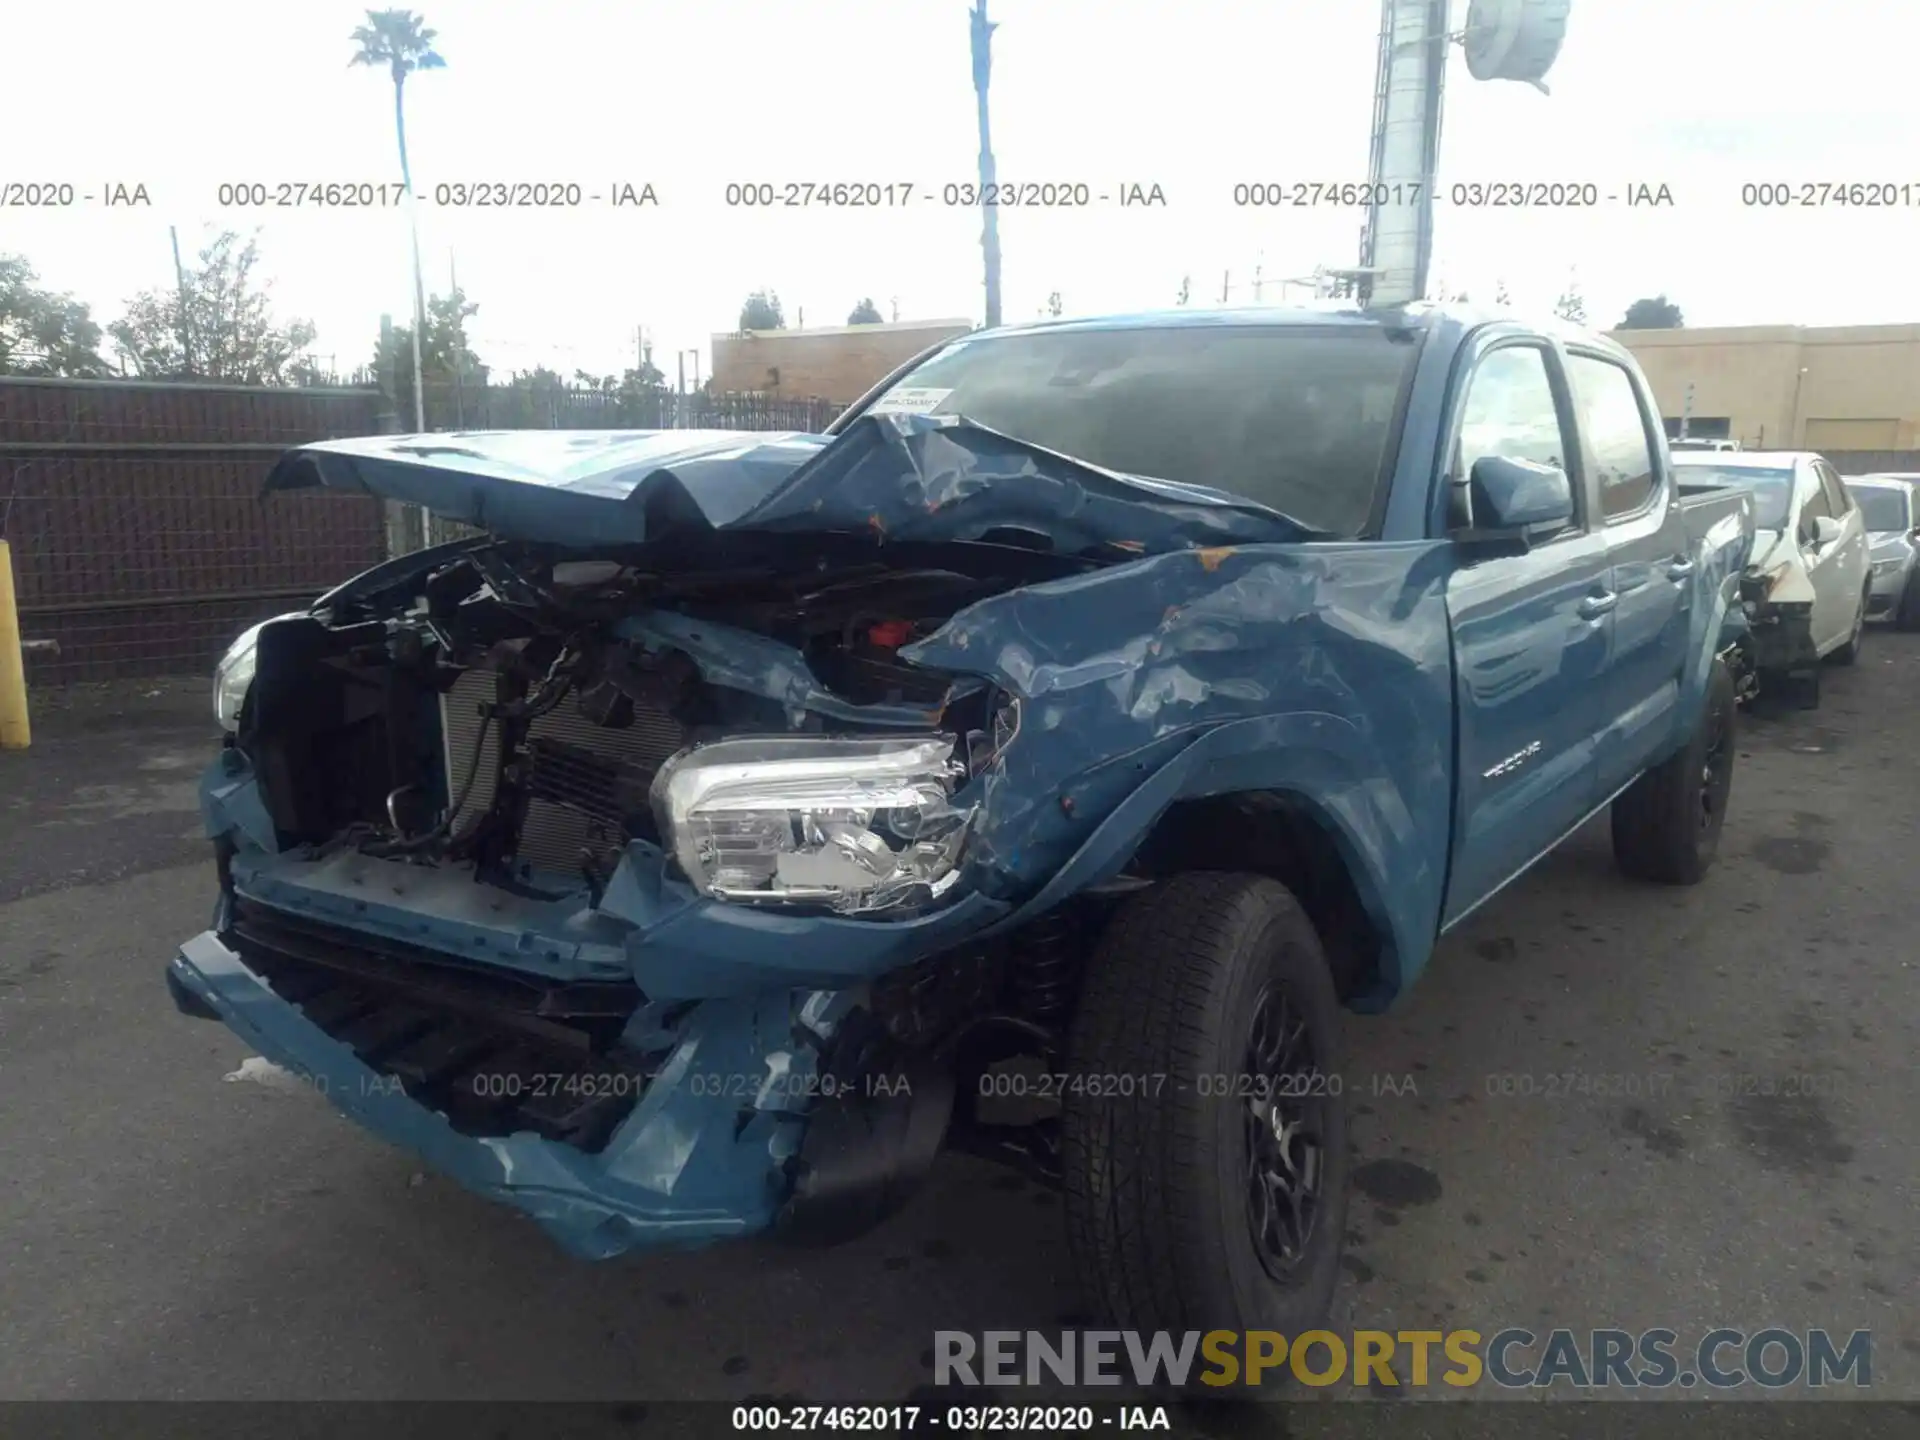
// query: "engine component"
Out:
[573,769]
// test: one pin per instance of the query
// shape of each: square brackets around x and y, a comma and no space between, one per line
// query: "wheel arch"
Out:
[1308,798]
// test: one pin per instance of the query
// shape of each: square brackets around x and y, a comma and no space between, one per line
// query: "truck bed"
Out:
[1719,517]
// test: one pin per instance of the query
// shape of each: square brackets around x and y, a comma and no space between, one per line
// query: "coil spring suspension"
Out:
[1046,966]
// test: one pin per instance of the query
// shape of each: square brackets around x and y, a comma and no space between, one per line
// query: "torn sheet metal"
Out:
[891,477]
[1237,655]
[758,665]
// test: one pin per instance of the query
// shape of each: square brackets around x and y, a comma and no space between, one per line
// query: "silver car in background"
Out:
[1890,505]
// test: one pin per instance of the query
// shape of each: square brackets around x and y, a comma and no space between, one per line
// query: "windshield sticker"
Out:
[909,400]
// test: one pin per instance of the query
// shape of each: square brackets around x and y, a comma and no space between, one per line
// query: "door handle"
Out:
[1594,606]
[1680,569]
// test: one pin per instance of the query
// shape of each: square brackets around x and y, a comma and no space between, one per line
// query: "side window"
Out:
[1616,428]
[1509,411]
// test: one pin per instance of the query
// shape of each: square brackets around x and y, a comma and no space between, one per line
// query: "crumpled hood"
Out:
[903,477]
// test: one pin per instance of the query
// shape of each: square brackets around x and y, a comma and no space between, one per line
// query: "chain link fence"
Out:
[142,543]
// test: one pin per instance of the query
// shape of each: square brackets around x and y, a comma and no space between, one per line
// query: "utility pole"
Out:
[180,279]
[1511,41]
[1226,285]
[1398,241]
[1686,410]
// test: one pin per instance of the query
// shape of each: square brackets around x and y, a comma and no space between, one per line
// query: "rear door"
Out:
[1650,564]
[1530,634]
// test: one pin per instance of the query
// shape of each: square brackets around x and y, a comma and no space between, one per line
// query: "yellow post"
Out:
[14,731]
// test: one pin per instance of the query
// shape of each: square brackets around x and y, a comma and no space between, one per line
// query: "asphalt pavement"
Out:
[1582,1117]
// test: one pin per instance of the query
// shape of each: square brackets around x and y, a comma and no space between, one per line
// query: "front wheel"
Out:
[1907,615]
[1204,1137]
[1666,825]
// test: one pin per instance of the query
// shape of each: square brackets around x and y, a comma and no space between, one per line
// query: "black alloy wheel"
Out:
[1284,1124]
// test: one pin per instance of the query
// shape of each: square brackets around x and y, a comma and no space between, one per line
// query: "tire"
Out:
[1850,652]
[1907,616]
[1159,1204]
[1667,824]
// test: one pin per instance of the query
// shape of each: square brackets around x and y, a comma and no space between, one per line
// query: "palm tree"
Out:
[401,41]
[990,230]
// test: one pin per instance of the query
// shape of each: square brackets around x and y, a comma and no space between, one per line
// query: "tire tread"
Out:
[1137,1171]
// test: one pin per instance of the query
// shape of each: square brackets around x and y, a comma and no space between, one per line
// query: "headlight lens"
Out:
[233,675]
[855,825]
[1886,567]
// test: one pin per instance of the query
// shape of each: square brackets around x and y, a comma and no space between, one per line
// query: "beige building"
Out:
[828,364]
[1789,387]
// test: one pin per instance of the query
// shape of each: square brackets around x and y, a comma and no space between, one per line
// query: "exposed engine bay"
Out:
[511,714]
[514,707]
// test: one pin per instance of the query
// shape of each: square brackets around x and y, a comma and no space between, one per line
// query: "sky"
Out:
[1193,96]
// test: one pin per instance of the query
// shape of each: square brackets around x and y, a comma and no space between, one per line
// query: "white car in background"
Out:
[1809,562]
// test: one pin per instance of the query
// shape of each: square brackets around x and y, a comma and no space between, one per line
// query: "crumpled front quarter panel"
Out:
[1320,670]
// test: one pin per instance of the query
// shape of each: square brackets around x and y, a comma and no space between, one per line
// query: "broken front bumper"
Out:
[1780,633]
[702,1155]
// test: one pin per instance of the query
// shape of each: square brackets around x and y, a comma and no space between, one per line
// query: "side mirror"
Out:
[1513,499]
[1826,530]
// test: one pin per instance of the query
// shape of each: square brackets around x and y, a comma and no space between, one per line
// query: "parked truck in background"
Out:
[733,824]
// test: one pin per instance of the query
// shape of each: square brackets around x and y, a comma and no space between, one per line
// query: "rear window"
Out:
[1772,489]
[1299,418]
[1881,509]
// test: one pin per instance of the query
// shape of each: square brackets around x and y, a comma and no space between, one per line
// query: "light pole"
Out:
[1504,40]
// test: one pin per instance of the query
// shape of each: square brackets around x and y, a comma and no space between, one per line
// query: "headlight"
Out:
[233,675]
[1886,567]
[853,825]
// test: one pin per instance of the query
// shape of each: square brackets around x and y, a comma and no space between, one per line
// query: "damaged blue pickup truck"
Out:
[1032,766]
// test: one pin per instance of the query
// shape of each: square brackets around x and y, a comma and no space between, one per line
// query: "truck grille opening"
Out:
[575,771]
[495,1054]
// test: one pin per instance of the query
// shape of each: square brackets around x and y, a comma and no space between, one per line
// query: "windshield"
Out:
[1772,489]
[1880,508]
[1297,418]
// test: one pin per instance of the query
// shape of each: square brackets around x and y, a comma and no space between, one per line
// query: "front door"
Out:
[1823,570]
[1530,635]
[1844,565]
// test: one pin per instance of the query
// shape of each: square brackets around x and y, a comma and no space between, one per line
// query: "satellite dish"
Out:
[1514,39]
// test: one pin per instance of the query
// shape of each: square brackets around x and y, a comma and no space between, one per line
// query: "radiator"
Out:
[575,808]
